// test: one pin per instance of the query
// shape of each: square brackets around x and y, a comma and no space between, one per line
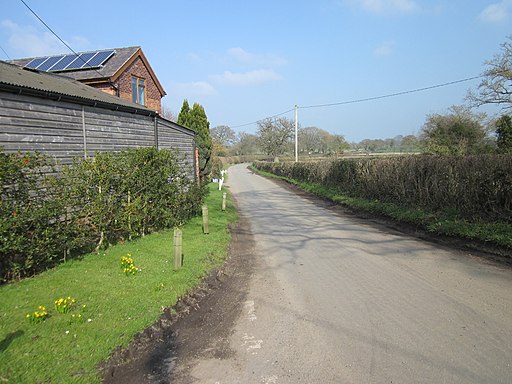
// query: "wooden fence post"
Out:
[224,194]
[205,220]
[178,248]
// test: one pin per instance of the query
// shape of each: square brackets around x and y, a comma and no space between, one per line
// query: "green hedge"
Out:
[470,187]
[48,215]
[31,232]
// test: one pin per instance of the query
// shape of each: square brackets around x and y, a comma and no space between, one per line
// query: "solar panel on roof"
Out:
[99,59]
[35,62]
[50,62]
[58,63]
[80,61]
[61,65]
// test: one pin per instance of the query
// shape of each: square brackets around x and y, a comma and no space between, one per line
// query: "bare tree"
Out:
[496,86]
[223,135]
[168,114]
[337,143]
[310,139]
[317,140]
[274,134]
[247,144]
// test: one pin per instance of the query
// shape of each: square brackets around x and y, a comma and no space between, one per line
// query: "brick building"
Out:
[63,119]
[123,72]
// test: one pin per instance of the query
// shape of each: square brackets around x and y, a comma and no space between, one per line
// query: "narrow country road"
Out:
[333,299]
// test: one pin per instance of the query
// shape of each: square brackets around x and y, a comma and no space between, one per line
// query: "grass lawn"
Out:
[113,307]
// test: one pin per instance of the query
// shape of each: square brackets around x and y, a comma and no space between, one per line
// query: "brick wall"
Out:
[107,88]
[124,82]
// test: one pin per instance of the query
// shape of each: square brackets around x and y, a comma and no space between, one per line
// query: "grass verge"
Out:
[110,308]
[446,224]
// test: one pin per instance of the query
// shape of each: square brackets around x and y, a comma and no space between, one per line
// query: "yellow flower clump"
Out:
[64,305]
[127,265]
[38,316]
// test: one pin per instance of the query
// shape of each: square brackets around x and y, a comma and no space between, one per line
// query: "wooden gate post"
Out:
[205,220]
[224,194]
[178,248]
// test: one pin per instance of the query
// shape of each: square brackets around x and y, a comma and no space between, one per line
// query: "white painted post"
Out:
[296,133]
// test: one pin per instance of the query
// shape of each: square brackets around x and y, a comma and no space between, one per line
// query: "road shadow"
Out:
[486,252]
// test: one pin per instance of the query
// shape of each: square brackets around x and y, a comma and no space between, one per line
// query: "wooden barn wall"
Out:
[171,136]
[57,129]
[108,131]
[31,124]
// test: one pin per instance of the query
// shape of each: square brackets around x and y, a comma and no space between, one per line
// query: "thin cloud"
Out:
[26,41]
[197,88]
[255,77]
[497,12]
[242,56]
[386,6]
[385,49]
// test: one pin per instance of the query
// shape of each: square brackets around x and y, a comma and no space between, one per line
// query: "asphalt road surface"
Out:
[335,299]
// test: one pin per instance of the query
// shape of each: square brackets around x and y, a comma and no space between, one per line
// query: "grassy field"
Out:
[499,234]
[110,307]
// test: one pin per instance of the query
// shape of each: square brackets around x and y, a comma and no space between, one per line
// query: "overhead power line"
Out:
[48,27]
[392,94]
[366,99]
[57,36]
[268,117]
[5,53]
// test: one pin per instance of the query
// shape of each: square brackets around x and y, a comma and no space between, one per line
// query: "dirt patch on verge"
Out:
[204,317]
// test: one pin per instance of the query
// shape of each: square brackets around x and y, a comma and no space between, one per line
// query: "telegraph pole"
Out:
[296,133]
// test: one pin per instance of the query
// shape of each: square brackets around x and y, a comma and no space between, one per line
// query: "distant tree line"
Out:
[275,137]
[459,131]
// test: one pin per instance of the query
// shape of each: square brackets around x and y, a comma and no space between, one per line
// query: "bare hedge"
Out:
[472,187]
[229,160]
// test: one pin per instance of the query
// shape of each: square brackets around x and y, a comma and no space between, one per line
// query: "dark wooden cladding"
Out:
[56,129]
[171,135]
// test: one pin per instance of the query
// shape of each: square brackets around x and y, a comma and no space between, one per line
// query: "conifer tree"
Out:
[184,115]
[199,123]
[196,120]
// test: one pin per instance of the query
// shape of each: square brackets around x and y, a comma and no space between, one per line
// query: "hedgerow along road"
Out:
[337,299]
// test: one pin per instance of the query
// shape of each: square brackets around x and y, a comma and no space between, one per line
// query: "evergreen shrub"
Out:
[49,214]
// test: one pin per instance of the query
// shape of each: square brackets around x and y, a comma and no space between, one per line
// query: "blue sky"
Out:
[246,60]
